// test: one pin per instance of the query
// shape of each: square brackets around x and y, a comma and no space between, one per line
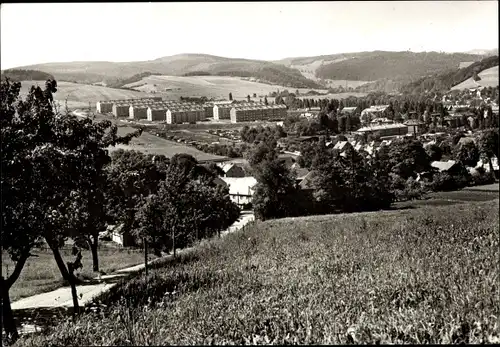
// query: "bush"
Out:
[482,178]
[443,182]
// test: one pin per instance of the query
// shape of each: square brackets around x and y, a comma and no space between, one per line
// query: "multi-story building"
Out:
[373,112]
[157,113]
[260,112]
[190,114]
[107,105]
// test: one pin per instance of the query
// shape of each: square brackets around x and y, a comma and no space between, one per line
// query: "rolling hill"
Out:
[177,65]
[387,71]
[173,87]
[454,78]
[80,95]
[489,78]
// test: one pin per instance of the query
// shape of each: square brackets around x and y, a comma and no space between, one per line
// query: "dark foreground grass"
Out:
[427,275]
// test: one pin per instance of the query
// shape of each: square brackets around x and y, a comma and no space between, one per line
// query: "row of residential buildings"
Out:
[178,112]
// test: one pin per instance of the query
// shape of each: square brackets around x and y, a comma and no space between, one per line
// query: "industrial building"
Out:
[385,130]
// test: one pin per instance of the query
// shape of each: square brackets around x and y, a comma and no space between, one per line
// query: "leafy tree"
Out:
[231,96]
[260,153]
[434,152]
[274,191]
[488,145]
[248,97]
[467,154]
[58,157]
[407,157]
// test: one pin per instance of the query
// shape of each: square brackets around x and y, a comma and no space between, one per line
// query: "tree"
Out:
[274,191]
[248,97]
[407,158]
[265,100]
[488,145]
[434,152]
[467,154]
[230,96]
[61,155]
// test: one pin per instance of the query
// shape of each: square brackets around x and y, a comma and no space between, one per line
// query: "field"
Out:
[209,86]
[334,96]
[425,275]
[151,144]
[489,78]
[41,274]
[79,95]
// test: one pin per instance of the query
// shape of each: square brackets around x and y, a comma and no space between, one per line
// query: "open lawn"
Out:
[79,95]
[426,275]
[41,274]
[151,144]
[489,78]
[209,86]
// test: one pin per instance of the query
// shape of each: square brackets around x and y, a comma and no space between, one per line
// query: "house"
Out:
[349,111]
[372,112]
[415,126]
[240,188]
[232,170]
[307,182]
[445,166]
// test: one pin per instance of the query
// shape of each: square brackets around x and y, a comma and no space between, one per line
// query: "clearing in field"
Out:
[208,86]
[150,144]
[426,275]
[80,95]
[489,78]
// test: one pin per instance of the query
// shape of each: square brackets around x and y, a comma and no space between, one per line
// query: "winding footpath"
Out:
[61,297]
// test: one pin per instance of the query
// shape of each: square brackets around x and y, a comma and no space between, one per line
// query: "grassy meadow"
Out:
[489,78]
[422,275]
[209,86]
[41,274]
[151,144]
[79,95]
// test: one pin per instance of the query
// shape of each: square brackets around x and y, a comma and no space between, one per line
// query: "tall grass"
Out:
[428,275]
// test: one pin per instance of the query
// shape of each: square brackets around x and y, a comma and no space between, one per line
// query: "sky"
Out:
[252,30]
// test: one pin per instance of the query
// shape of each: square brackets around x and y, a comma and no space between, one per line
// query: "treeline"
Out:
[445,81]
[119,83]
[18,75]
[58,183]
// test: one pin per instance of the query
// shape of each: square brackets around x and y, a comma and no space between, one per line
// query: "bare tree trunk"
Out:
[68,274]
[8,322]
[491,165]
[93,243]
[173,242]
[145,255]
[60,264]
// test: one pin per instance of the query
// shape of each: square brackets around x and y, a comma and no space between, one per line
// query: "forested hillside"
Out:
[392,65]
[445,81]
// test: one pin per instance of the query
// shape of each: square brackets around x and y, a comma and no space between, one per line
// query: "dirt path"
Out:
[61,297]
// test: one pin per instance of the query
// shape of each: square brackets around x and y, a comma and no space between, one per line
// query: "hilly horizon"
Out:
[376,70]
